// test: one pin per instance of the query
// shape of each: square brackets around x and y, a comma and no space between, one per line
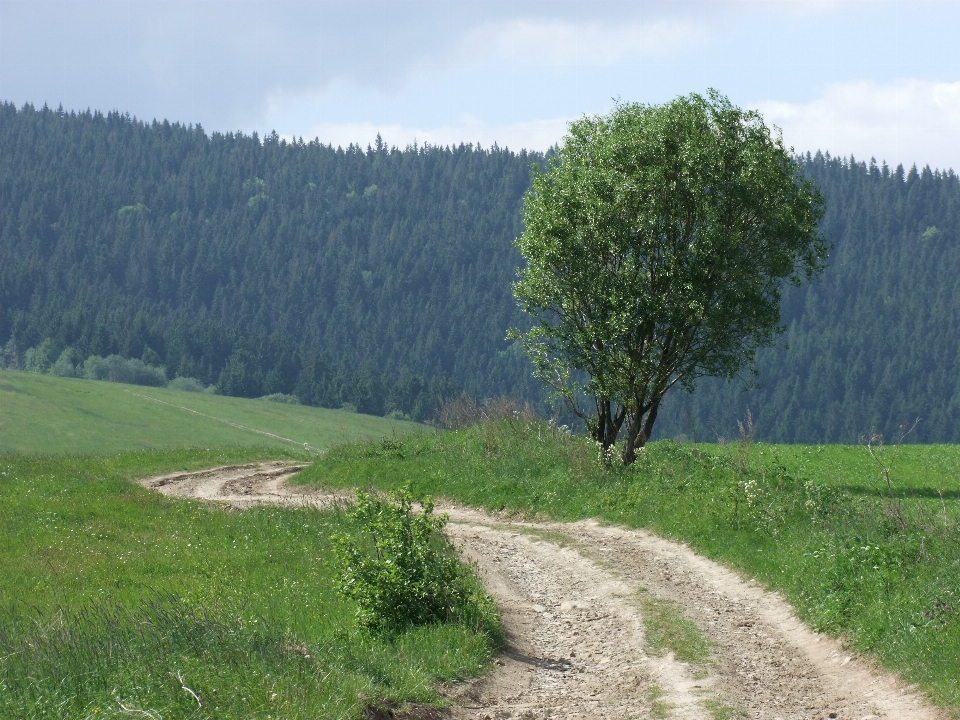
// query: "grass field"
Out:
[876,563]
[116,601]
[43,414]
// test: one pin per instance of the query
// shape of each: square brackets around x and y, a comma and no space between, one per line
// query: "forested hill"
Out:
[381,278]
[378,277]
[874,344]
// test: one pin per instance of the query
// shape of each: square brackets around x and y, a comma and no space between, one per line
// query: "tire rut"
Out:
[575,645]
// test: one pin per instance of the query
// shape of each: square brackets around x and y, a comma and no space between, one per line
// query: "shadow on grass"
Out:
[903,493]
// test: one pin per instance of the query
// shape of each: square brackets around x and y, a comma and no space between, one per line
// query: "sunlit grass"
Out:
[117,601]
[668,630]
[43,414]
[876,564]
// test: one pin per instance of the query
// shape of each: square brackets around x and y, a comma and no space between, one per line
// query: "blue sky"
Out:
[870,77]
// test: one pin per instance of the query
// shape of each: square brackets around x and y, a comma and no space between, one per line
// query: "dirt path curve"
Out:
[569,593]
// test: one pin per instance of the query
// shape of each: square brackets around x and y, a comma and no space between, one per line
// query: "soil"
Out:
[570,598]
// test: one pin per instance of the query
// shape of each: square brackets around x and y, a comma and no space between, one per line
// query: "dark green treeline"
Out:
[378,277]
[381,278]
[876,343]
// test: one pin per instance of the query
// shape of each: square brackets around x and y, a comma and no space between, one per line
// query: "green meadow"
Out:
[116,601]
[51,415]
[876,563]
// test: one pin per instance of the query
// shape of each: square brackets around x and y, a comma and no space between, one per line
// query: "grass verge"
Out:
[877,564]
[117,602]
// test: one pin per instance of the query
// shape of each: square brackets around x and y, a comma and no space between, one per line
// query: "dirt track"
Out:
[569,597]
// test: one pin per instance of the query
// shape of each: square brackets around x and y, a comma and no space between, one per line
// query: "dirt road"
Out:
[571,593]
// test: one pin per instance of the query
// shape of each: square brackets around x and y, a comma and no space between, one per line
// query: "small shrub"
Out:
[96,368]
[118,369]
[135,372]
[187,384]
[609,457]
[64,366]
[115,368]
[39,359]
[459,412]
[402,571]
[282,398]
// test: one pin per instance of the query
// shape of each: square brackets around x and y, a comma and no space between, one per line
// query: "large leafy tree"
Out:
[657,242]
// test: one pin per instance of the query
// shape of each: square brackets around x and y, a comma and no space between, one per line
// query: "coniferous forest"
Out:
[379,278]
[876,343]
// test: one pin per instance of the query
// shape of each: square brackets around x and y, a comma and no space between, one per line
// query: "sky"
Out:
[871,78]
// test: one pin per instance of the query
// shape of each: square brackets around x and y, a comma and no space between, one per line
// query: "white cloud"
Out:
[530,135]
[909,121]
[558,42]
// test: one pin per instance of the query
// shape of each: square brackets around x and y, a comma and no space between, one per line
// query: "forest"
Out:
[380,278]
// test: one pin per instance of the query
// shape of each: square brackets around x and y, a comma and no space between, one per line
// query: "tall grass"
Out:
[816,523]
[119,602]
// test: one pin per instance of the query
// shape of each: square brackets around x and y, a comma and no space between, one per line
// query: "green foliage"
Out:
[248,622]
[66,365]
[117,369]
[393,300]
[260,265]
[722,711]
[657,244]
[189,385]
[39,359]
[872,345]
[112,368]
[401,570]
[281,398]
[814,522]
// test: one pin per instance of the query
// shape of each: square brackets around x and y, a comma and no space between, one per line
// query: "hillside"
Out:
[380,278]
[47,415]
[874,344]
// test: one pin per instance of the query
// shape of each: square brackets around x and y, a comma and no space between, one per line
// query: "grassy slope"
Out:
[115,597]
[45,414]
[809,521]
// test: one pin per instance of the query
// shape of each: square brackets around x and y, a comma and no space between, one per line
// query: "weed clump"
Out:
[402,571]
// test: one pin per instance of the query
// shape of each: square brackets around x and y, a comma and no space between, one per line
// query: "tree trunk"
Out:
[602,426]
[629,454]
[606,427]
[648,422]
[641,426]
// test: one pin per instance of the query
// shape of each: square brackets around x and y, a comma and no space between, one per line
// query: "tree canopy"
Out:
[657,242]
